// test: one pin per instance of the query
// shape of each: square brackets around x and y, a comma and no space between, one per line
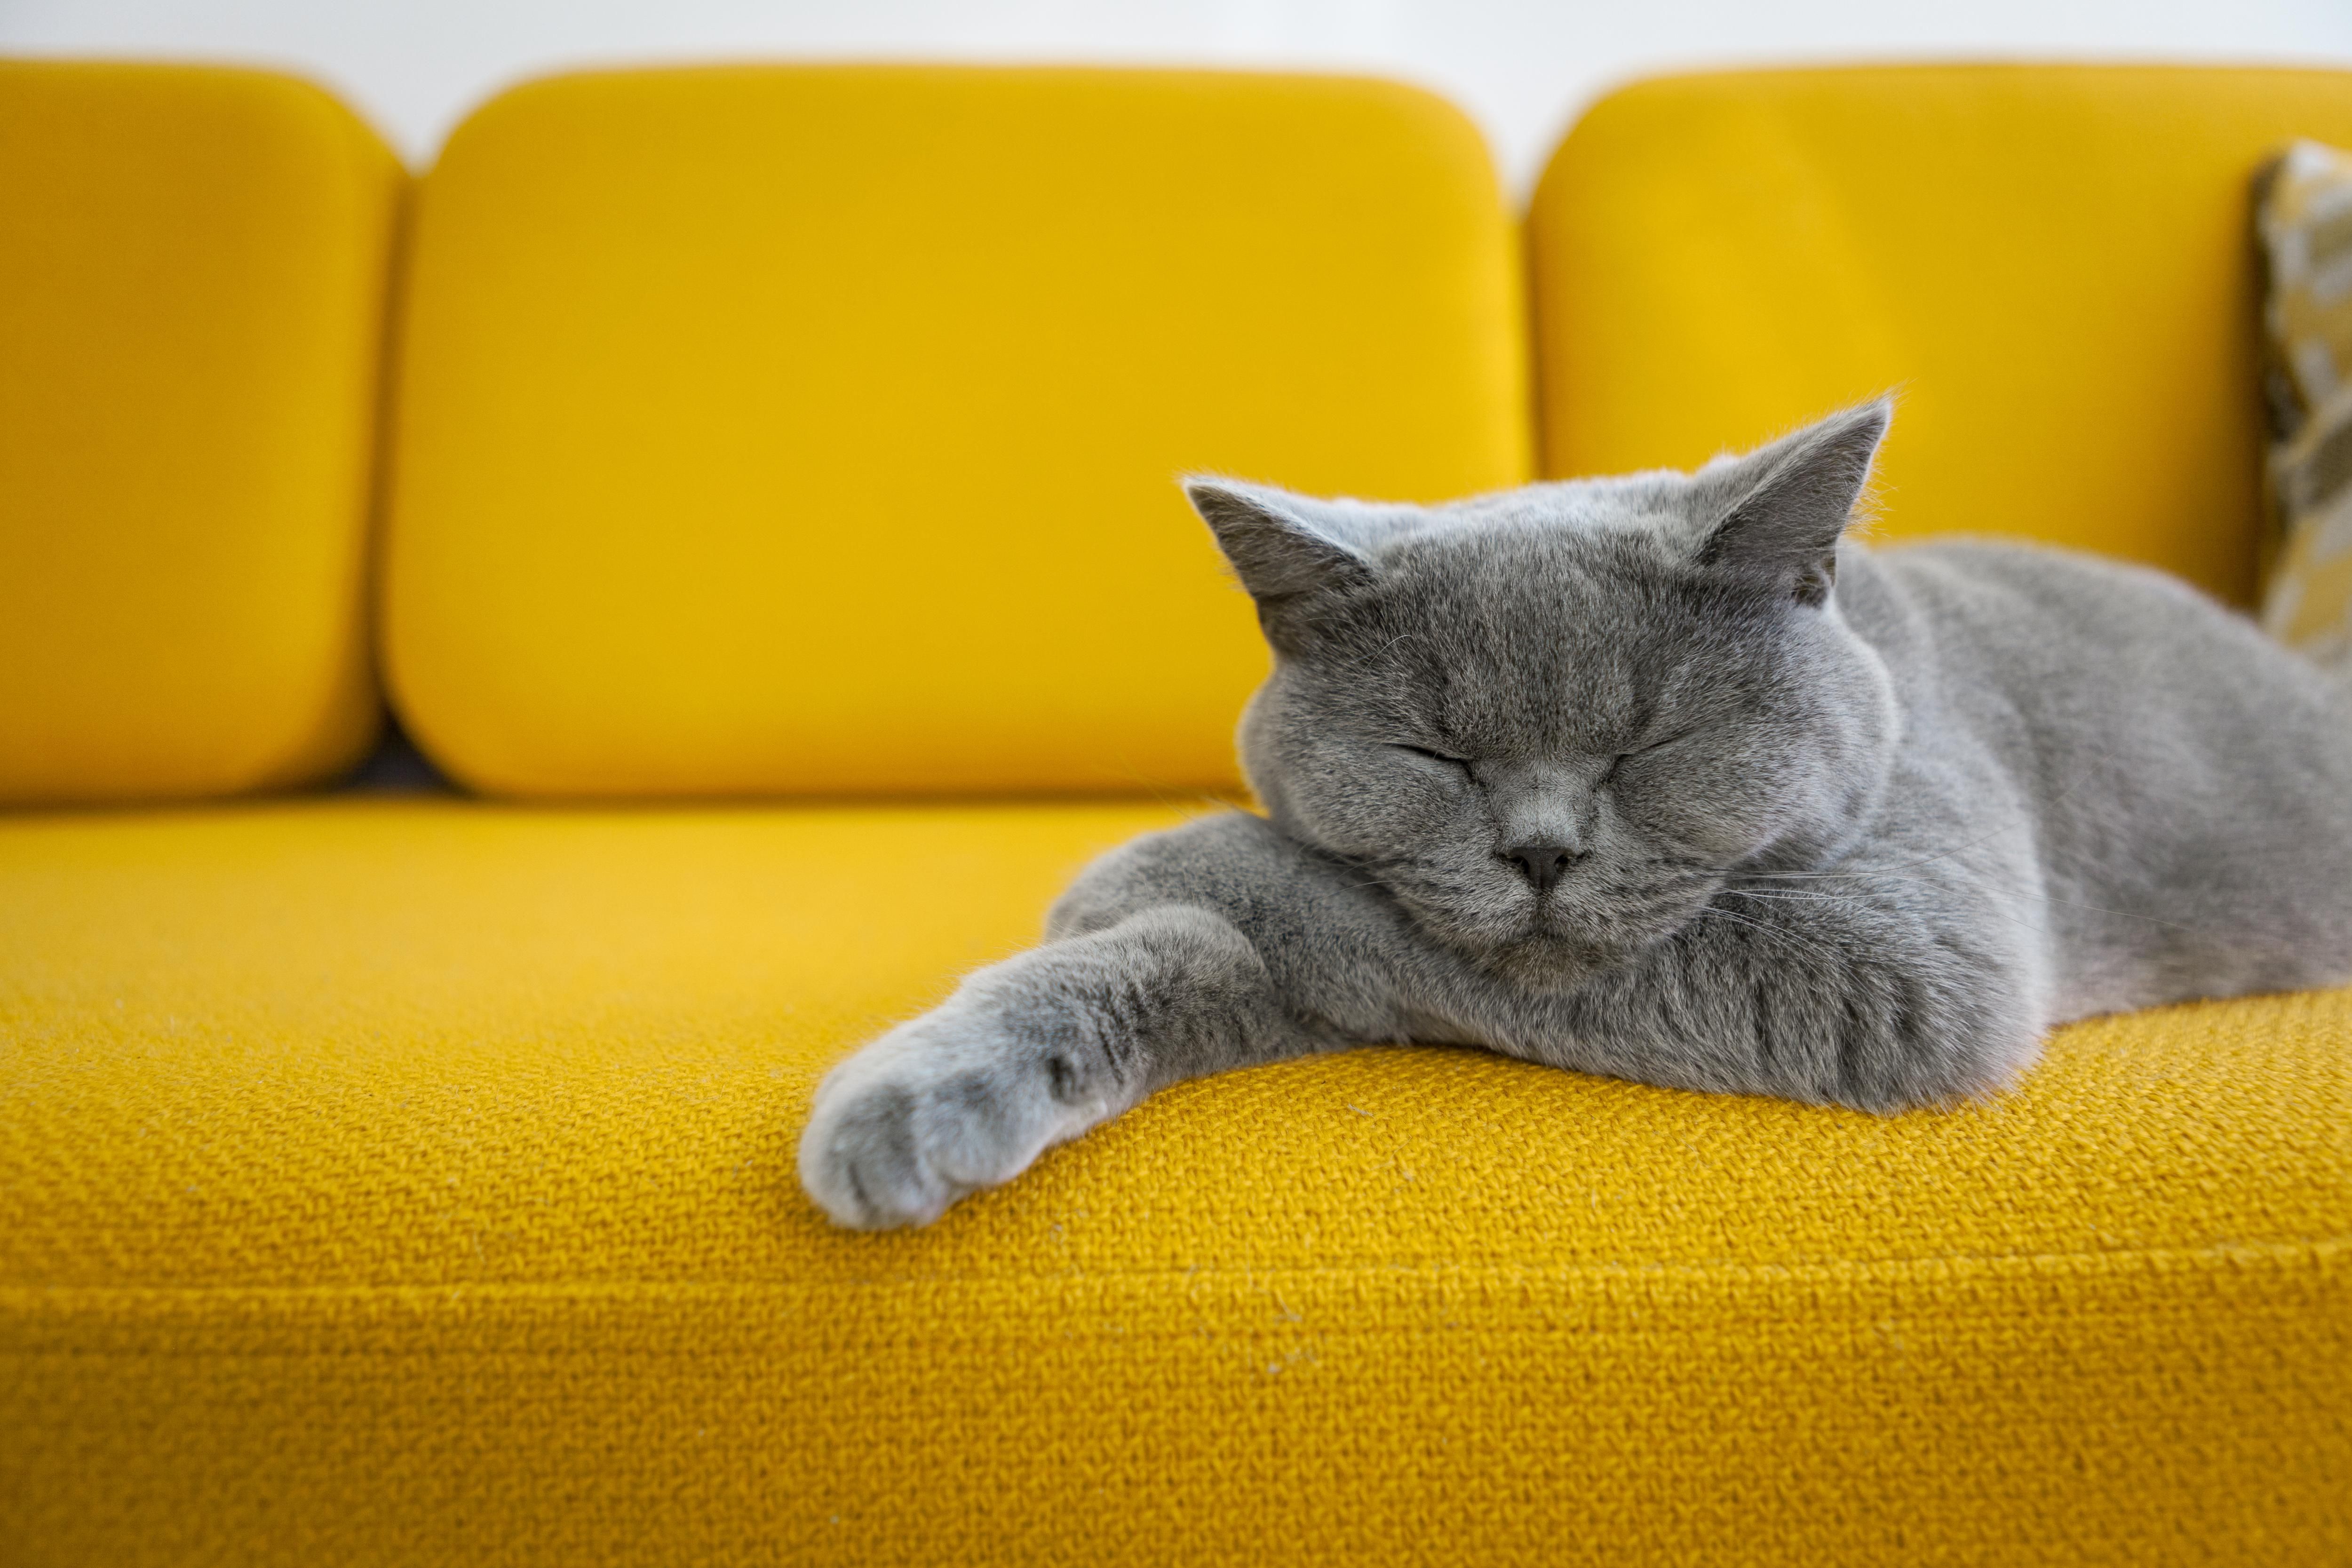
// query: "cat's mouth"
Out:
[1556,940]
[1540,945]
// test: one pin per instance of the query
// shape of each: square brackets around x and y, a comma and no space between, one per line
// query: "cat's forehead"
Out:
[1571,508]
[1556,615]
[1580,540]
[1577,537]
[1535,636]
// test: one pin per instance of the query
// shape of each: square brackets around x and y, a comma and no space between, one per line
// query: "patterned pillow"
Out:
[2304,215]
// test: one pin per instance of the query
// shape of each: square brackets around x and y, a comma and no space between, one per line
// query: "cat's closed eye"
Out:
[1622,758]
[1432,755]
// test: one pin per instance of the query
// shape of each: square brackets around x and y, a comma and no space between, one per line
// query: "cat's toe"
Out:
[863,1162]
[938,1108]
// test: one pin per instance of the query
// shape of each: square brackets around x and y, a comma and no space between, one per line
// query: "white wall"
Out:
[1522,66]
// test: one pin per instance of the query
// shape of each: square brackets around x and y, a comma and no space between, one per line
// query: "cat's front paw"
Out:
[963,1098]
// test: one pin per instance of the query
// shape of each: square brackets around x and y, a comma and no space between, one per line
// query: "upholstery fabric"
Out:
[192,292]
[2050,265]
[815,429]
[411,1181]
[2305,219]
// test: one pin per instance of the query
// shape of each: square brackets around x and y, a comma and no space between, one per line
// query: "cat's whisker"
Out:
[2283,848]
[1810,945]
[1992,892]
[2107,755]
[1863,901]
[1786,895]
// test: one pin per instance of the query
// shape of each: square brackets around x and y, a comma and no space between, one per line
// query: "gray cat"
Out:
[1658,777]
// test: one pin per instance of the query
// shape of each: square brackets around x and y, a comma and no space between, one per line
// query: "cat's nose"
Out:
[1541,864]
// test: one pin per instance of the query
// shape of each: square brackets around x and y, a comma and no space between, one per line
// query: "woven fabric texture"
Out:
[412,1181]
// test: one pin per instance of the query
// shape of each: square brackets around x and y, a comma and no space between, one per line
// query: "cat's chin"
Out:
[1545,949]
[1549,961]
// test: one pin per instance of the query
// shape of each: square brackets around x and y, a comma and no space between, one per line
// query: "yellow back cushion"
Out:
[2050,264]
[815,429]
[192,288]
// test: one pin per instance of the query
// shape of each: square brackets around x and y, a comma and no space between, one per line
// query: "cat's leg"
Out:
[1033,1051]
[1880,989]
[1224,943]
[1216,945]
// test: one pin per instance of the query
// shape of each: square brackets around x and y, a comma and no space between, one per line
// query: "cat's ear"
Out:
[1775,515]
[1283,545]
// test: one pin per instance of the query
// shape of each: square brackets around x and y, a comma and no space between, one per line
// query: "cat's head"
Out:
[1549,721]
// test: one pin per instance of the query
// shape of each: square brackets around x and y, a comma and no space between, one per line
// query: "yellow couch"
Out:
[775,534]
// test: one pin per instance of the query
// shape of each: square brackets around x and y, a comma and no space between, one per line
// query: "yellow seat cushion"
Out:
[412,1182]
[192,292]
[816,429]
[2050,264]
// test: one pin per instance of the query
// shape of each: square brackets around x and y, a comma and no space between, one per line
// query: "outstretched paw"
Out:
[963,1098]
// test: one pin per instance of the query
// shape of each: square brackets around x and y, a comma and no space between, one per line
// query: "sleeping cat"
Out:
[1658,777]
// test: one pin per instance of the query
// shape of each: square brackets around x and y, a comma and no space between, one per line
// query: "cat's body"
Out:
[1660,778]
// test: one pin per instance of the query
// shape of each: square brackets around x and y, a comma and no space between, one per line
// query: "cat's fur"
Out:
[1846,827]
